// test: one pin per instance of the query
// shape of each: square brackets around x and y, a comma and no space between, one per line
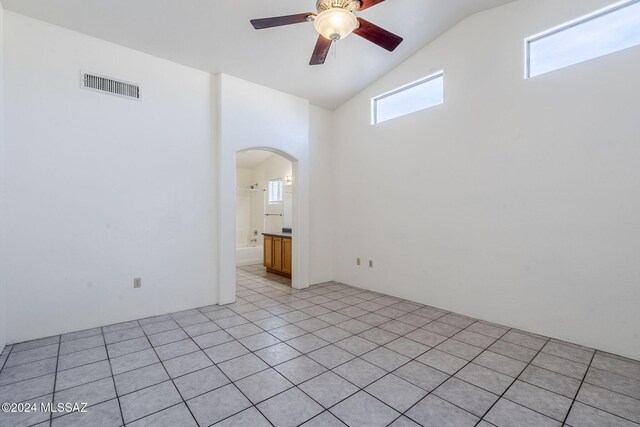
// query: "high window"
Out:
[609,30]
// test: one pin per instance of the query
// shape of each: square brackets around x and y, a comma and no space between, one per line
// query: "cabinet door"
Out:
[268,251]
[277,254]
[286,256]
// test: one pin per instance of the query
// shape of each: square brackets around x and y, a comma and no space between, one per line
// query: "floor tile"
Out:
[242,366]
[156,328]
[307,343]
[354,326]
[300,369]
[29,389]
[473,338]
[131,381]
[614,382]
[212,338]
[442,361]
[552,381]
[616,365]
[500,363]
[488,330]
[313,324]
[177,415]
[33,355]
[443,329]
[407,347]
[249,417]
[290,408]
[28,345]
[508,414]
[263,385]
[379,336]
[426,337]
[576,354]
[363,410]
[525,340]
[277,354]
[331,356]
[560,365]
[487,379]
[123,347]
[385,358]
[133,361]
[149,400]
[259,341]
[82,344]
[614,403]
[243,330]
[467,396]
[117,336]
[360,372]
[540,400]
[82,375]
[218,404]
[397,327]
[188,363]
[460,349]
[328,389]
[587,416]
[332,334]
[200,382]
[433,411]
[91,393]
[356,345]
[84,357]
[175,349]
[168,337]
[227,351]
[513,351]
[325,419]
[106,414]
[80,334]
[396,392]
[421,375]
[199,329]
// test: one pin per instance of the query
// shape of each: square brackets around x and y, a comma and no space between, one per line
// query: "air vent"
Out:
[111,86]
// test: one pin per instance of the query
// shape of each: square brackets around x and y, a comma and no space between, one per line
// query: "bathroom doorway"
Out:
[264,213]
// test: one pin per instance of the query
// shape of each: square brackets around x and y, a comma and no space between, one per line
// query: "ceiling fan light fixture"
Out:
[335,23]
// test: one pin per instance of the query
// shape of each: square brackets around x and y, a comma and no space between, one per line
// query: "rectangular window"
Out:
[606,31]
[275,191]
[420,95]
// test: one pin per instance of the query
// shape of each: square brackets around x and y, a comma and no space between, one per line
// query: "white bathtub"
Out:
[249,256]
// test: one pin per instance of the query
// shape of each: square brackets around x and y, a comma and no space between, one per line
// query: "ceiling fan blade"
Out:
[383,38]
[368,3]
[321,51]
[278,21]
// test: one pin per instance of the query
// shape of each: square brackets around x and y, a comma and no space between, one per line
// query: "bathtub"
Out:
[249,255]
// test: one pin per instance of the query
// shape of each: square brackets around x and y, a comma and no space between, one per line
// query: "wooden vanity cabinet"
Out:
[277,255]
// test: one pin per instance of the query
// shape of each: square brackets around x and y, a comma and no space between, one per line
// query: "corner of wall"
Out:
[3,302]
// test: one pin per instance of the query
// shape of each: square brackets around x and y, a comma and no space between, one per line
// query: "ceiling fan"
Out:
[334,21]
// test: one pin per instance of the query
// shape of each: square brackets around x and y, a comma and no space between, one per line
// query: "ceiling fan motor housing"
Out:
[349,5]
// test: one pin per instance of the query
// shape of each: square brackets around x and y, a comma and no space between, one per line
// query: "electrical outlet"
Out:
[371,263]
[357,261]
[137,282]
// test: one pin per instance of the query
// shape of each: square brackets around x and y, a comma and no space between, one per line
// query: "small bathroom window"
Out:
[275,191]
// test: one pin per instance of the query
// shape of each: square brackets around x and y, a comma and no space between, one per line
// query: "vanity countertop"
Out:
[279,234]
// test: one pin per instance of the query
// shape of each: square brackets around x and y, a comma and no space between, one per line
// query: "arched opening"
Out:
[264,214]
[227,239]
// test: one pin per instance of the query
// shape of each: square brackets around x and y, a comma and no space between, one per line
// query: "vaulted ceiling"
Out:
[215,36]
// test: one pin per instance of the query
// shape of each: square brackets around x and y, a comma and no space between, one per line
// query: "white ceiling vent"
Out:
[98,83]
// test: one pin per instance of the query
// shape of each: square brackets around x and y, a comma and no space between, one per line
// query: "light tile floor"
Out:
[326,356]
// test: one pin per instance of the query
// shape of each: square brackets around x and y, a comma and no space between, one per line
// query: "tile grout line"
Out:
[573,401]
[510,385]
[55,379]
[113,379]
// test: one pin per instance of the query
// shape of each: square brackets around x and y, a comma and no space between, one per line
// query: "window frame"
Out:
[567,26]
[423,80]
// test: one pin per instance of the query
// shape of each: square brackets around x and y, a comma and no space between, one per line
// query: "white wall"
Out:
[517,201]
[273,167]
[321,188]
[3,300]
[253,116]
[101,189]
